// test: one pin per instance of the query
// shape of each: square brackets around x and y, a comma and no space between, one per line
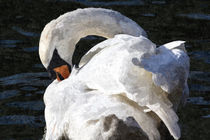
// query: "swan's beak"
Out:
[58,68]
[62,72]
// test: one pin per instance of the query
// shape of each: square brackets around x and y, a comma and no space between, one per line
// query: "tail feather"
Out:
[169,117]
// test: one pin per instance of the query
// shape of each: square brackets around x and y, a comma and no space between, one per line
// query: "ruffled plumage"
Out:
[129,76]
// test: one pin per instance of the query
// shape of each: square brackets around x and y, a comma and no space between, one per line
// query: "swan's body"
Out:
[125,76]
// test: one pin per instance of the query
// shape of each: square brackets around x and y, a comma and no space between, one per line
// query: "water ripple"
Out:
[35,121]
[200,76]
[39,92]
[201,55]
[26,79]
[38,66]
[28,88]
[206,116]
[112,3]
[197,16]
[31,49]
[199,88]
[25,33]
[31,105]
[10,43]
[8,94]
[148,15]
[159,2]
[198,101]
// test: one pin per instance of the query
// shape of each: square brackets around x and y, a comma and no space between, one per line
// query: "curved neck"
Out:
[65,32]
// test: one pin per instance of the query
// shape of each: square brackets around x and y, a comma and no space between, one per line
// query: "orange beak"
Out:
[62,72]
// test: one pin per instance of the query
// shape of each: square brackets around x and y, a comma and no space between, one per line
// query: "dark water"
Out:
[23,79]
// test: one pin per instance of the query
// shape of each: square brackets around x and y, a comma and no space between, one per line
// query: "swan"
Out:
[125,75]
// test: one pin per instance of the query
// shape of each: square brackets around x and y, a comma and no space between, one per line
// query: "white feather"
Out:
[124,75]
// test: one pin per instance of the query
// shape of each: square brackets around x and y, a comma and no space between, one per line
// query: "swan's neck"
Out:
[64,32]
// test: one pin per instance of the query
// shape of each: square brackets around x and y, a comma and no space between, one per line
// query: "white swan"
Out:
[125,75]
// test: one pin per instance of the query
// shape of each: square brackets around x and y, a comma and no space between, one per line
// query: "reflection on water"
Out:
[207,116]
[111,2]
[31,49]
[23,79]
[198,101]
[22,120]
[25,33]
[196,16]
[33,79]
[199,75]
[32,105]
[9,43]
[201,55]
[148,15]
[8,94]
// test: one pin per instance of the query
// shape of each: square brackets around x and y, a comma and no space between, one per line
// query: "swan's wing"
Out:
[176,45]
[162,67]
[170,69]
[170,66]
[184,61]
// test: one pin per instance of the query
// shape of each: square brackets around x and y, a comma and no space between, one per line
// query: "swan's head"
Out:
[54,52]
[58,68]
[60,36]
